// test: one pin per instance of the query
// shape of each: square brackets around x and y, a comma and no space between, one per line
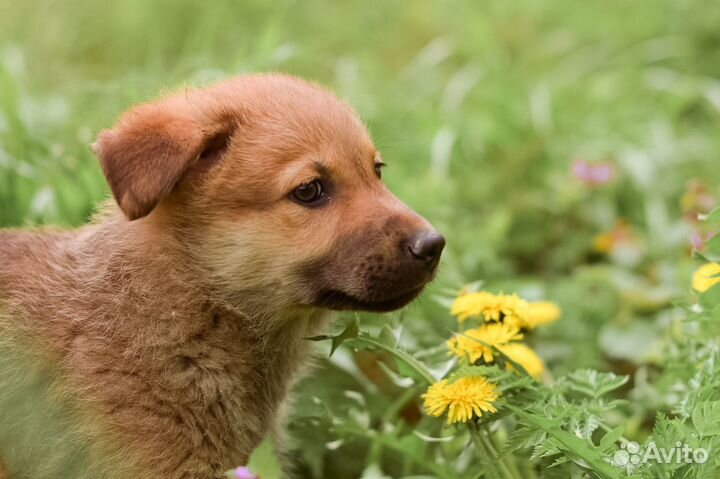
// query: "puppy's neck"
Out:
[146,264]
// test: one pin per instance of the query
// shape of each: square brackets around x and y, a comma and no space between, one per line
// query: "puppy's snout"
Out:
[426,246]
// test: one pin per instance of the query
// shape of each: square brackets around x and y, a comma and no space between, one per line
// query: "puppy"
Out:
[161,341]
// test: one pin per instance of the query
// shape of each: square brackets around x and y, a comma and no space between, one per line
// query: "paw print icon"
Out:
[629,454]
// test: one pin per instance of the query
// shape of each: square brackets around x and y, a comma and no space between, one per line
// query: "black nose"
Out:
[426,246]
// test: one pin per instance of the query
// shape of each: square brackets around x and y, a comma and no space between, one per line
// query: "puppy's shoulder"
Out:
[20,245]
[26,254]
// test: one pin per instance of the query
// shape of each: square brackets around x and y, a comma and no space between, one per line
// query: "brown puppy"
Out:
[166,335]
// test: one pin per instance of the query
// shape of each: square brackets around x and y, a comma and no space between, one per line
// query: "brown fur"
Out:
[175,325]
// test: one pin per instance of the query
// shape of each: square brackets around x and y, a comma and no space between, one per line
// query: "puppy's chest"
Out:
[207,392]
[221,369]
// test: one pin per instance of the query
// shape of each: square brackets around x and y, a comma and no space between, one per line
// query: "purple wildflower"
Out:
[593,174]
[243,473]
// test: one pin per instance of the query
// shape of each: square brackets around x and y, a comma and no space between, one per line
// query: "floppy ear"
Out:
[148,151]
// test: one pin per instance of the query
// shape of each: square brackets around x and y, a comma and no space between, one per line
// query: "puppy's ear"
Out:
[148,151]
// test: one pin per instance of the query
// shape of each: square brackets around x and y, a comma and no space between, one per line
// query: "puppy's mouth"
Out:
[340,301]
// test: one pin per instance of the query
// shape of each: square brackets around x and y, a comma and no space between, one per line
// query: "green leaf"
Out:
[570,444]
[609,439]
[397,379]
[387,336]
[350,332]
[407,364]
[713,218]
[710,298]
[593,383]
[409,446]
[264,461]
[636,341]
[706,418]
[712,249]
[373,471]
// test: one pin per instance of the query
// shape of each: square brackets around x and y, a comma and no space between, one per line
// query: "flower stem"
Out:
[507,459]
[496,467]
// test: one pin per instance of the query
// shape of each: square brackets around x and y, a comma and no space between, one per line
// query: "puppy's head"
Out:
[275,187]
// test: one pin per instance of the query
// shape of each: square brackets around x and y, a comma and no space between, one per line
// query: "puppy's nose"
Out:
[426,246]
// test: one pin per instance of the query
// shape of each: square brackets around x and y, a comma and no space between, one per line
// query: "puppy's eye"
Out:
[309,192]
[378,169]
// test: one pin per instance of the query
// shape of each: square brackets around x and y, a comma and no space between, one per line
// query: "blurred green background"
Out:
[489,114]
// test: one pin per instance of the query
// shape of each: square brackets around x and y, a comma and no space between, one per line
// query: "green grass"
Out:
[479,108]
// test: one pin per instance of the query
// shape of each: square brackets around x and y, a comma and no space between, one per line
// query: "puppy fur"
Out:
[164,338]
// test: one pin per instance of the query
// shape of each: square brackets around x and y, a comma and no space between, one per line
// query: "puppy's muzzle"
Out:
[377,272]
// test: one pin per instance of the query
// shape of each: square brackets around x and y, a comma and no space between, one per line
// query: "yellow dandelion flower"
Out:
[474,344]
[467,397]
[705,277]
[525,357]
[621,234]
[603,243]
[540,313]
[492,307]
